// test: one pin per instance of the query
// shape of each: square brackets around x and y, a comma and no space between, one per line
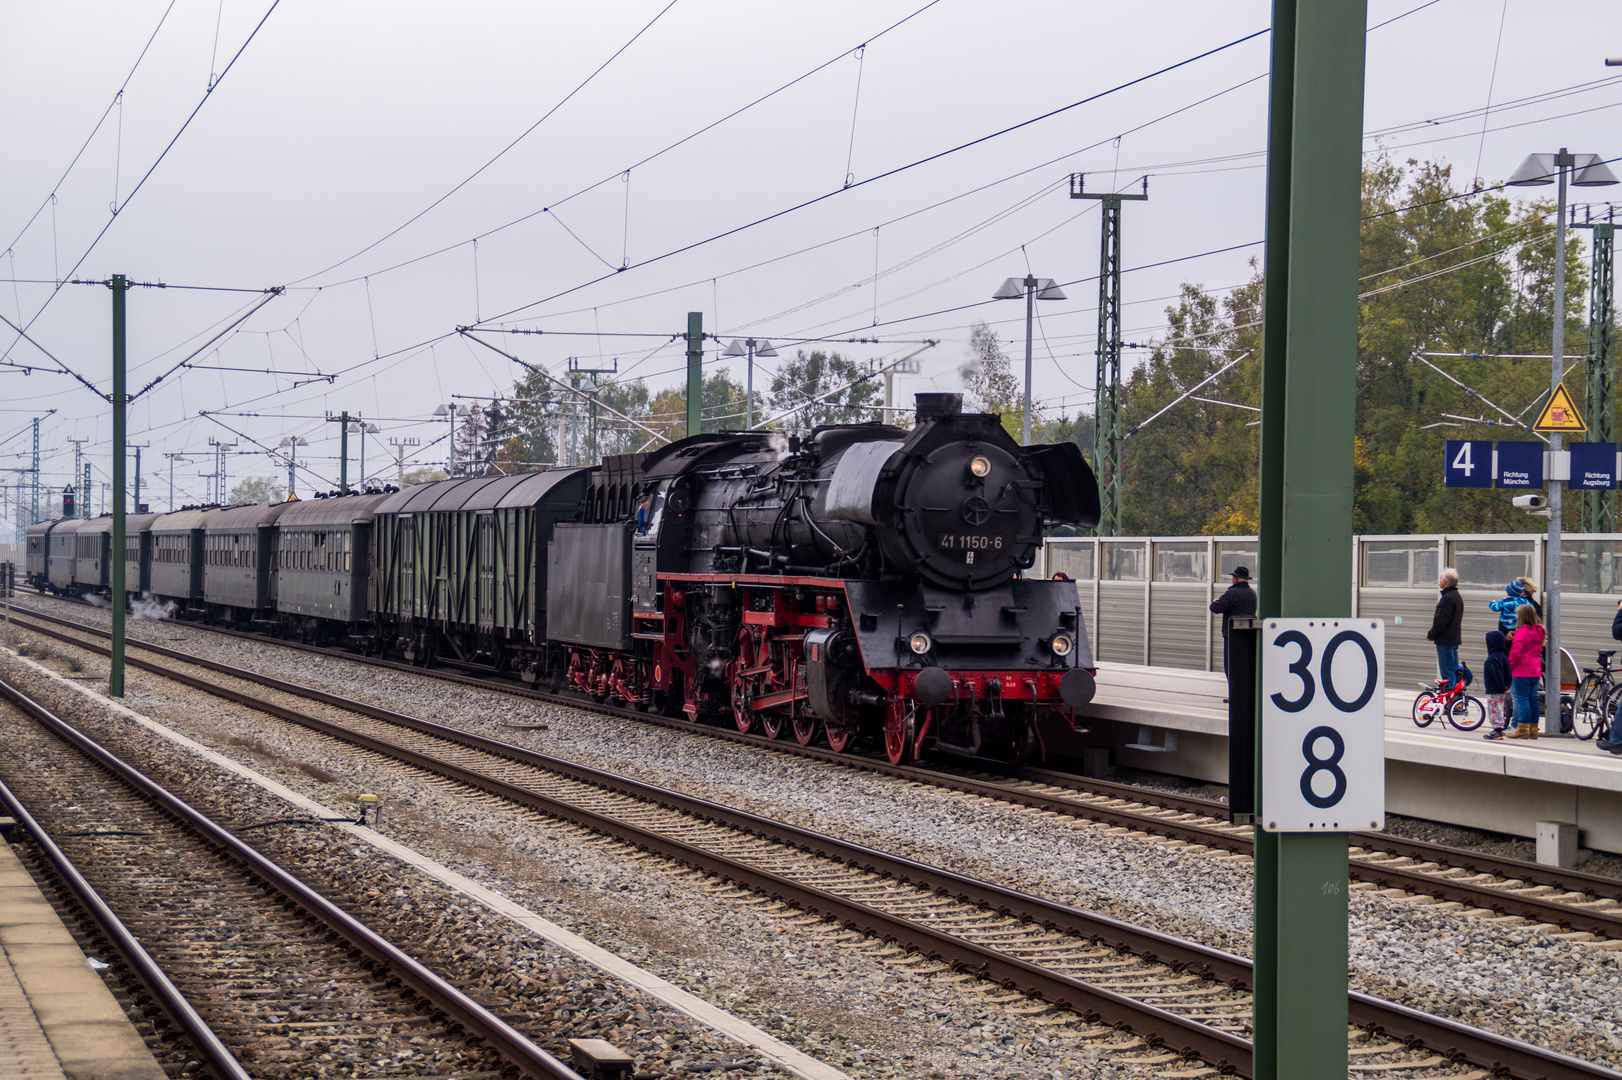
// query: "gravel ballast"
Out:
[869,1018]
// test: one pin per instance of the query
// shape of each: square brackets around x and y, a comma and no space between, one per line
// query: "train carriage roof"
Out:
[252,516]
[339,510]
[68,525]
[133,523]
[184,520]
[41,528]
[479,492]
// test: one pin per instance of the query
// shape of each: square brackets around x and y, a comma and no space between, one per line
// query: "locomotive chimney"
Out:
[935,406]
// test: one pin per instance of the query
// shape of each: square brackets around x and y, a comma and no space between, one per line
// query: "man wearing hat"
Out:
[1239,602]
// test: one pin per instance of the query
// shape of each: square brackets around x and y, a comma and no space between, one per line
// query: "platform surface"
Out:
[58,1020]
[1438,771]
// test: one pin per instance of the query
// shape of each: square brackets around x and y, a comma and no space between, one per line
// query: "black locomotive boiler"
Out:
[862,581]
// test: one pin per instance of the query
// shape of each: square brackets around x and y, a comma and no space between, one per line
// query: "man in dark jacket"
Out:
[1447,625]
[1239,602]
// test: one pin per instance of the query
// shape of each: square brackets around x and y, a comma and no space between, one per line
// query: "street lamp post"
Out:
[365,430]
[292,443]
[751,348]
[1032,289]
[1584,170]
[450,458]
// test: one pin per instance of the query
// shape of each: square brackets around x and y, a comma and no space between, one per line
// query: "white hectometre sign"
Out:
[1323,725]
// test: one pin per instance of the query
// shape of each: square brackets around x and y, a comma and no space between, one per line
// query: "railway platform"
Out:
[1174,720]
[58,1019]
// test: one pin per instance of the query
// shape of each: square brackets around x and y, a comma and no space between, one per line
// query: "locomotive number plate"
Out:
[970,542]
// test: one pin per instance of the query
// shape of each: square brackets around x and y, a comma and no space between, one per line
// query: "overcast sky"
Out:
[751,161]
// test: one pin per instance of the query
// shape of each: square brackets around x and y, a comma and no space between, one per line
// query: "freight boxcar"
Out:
[459,566]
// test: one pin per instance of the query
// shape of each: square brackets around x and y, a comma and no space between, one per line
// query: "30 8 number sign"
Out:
[1323,725]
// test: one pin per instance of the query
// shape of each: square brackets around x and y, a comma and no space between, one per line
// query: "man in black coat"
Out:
[1239,602]
[1447,625]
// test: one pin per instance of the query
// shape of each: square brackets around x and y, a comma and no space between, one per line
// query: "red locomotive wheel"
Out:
[772,724]
[742,714]
[805,729]
[839,738]
[897,733]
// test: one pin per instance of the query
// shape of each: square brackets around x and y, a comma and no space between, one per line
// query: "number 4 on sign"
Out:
[1323,725]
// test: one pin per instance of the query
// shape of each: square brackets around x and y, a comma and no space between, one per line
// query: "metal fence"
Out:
[1147,599]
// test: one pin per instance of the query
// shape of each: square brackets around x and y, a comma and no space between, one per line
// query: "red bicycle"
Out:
[1452,703]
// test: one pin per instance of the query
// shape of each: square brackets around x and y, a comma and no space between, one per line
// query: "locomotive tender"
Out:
[861,582]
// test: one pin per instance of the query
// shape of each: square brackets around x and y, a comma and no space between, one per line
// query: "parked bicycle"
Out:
[1597,698]
[1453,703]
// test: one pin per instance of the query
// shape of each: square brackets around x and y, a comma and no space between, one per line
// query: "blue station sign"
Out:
[1593,466]
[1467,463]
[1520,464]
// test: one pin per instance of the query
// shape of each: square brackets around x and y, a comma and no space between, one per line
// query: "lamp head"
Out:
[736,348]
[1012,289]
[765,349]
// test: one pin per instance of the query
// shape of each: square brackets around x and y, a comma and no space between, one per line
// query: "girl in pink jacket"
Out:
[1525,668]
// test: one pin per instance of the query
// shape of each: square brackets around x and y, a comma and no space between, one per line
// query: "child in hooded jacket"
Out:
[1495,684]
[1525,668]
[1519,591]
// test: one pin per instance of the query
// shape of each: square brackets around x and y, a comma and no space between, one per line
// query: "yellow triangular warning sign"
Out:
[1560,414]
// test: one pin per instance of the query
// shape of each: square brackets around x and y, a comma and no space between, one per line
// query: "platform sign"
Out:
[1520,464]
[1467,463]
[1323,725]
[1593,466]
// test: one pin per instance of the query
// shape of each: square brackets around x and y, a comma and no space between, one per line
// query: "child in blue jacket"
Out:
[1521,591]
[1495,684]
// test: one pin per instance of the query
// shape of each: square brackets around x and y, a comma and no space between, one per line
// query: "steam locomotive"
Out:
[860,583]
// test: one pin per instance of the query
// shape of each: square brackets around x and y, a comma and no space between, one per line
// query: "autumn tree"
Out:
[256,489]
[821,388]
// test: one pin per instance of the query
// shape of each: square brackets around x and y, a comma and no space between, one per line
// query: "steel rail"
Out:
[1459,1042]
[217,1059]
[510,1044]
[1603,923]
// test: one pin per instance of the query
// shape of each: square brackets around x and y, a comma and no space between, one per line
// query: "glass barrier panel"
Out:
[1075,560]
[1591,566]
[1123,561]
[1400,563]
[1182,561]
[1231,554]
[1490,564]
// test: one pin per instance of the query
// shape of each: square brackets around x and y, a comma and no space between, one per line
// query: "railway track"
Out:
[1185,997]
[255,970]
[1570,902]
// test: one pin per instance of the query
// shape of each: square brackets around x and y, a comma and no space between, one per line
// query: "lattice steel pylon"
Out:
[1599,507]
[1107,419]
[34,516]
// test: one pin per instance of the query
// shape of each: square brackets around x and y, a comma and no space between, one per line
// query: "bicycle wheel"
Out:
[1588,710]
[1467,713]
[1425,709]
[1607,713]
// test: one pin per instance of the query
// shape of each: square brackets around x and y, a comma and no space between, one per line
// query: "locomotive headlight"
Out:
[920,643]
[1062,644]
[980,466]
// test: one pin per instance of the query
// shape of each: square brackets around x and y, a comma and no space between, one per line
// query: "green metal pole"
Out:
[1309,355]
[115,676]
[1599,507]
[695,372]
[343,452]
